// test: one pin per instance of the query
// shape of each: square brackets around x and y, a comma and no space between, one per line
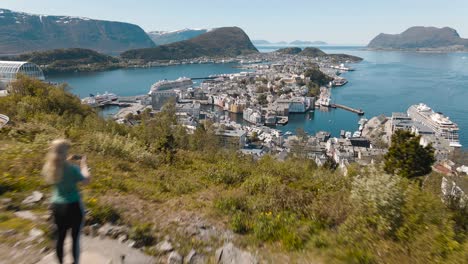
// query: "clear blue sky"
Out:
[334,21]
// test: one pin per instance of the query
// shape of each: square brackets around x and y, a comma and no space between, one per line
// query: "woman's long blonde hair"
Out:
[56,160]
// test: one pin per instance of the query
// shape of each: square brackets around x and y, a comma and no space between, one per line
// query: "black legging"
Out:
[68,216]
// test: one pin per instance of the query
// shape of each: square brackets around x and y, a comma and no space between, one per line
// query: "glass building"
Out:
[9,70]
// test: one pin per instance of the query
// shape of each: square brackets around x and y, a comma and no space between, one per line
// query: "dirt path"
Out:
[102,251]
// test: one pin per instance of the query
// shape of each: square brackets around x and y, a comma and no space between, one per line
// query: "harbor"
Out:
[367,88]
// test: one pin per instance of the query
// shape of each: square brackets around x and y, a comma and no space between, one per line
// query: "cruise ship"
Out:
[163,85]
[442,125]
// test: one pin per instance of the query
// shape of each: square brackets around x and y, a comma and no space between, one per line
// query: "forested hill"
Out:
[67,60]
[220,42]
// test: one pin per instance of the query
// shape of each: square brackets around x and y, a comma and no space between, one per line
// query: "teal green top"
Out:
[66,190]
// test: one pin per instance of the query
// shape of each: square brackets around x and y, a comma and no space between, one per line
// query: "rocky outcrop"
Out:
[229,254]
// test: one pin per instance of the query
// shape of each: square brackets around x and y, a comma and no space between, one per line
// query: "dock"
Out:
[347,108]
[283,120]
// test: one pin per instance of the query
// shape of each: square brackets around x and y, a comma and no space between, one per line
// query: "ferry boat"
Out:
[442,125]
[99,99]
[339,81]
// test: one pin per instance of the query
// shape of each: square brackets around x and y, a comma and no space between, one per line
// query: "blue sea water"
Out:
[385,82]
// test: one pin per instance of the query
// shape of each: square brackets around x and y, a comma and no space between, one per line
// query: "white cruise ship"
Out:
[163,85]
[442,125]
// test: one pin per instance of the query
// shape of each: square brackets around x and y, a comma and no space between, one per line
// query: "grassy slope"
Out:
[289,211]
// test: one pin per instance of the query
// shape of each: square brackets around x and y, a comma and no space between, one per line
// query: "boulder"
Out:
[8,232]
[35,197]
[122,238]
[229,254]
[174,258]
[194,258]
[164,247]
[35,234]
[131,243]
[111,231]
[28,215]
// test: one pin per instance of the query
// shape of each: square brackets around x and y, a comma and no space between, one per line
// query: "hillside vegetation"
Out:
[149,175]
[318,53]
[220,42]
[67,60]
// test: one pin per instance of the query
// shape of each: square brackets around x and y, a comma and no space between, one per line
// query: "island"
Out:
[421,39]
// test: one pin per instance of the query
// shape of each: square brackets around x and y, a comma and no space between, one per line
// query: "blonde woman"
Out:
[66,199]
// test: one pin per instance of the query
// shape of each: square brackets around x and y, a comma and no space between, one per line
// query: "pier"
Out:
[204,78]
[347,108]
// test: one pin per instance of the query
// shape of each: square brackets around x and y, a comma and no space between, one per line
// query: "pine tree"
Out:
[406,157]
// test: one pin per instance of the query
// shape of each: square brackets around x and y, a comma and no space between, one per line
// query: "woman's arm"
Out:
[85,170]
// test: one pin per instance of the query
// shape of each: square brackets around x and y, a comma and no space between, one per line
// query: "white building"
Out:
[9,70]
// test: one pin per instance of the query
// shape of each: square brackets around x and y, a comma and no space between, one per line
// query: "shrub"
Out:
[239,223]
[100,214]
[231,204]
[142,234]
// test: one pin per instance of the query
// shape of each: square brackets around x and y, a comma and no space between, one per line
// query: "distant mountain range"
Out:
[168,37]
[219,42]
[421,38]
[22,32]
[296,42]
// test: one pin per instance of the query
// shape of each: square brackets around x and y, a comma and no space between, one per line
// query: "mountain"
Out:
[421,38]
[68,60]
[165,37]
[303,43]
[21,32]
[221,42]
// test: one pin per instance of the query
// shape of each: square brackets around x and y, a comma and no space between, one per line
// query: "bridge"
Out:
[357,111]
[4,120]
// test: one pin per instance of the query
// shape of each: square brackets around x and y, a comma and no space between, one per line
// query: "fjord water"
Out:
[383,83]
